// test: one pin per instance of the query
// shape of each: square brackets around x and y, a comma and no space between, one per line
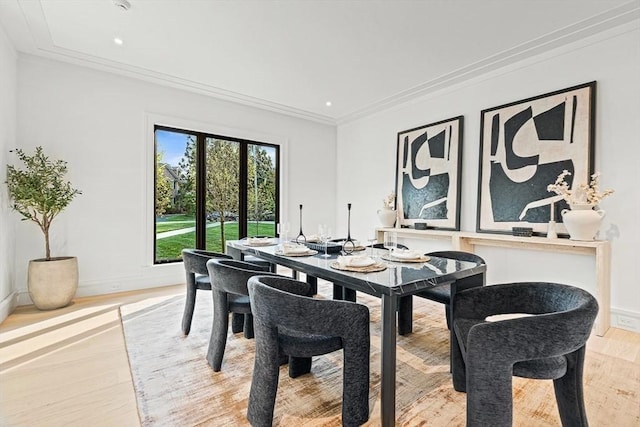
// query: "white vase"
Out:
[582,222]
[387,217]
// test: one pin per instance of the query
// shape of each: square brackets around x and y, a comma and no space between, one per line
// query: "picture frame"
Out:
[524,146]
[428,175]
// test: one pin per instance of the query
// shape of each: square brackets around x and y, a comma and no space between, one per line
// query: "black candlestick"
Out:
[349,245]
[301,236]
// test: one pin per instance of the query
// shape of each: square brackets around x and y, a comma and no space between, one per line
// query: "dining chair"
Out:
[195,266]
[548,343]
[441,294]
[230,295]
[288,322]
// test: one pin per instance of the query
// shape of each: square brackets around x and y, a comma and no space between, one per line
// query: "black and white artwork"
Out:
[524,146]
[428,174]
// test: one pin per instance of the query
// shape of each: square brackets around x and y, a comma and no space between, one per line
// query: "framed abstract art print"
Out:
[428,172]
[524,146]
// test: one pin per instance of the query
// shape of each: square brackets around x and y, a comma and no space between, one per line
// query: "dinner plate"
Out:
[309,252]
[353,261]
[368,269]
[260,242]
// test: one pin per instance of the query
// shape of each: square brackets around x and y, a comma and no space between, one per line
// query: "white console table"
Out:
[465,241]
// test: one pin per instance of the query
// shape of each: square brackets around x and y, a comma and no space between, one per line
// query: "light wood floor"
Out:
[69,367]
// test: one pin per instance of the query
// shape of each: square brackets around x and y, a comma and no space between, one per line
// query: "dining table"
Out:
[396,280]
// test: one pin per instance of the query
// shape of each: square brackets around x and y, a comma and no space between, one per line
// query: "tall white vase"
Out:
[387,217]
[582,222]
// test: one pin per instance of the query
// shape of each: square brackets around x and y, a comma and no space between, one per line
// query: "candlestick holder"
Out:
[349,245]
[301,237]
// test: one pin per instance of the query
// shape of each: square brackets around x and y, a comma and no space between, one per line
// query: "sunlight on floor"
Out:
[38,339]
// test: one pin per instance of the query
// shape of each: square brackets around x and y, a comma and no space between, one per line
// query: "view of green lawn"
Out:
[170,248]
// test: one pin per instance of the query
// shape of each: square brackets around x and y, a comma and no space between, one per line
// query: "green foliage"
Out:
[39,191]
[262,185]
[186,196]
[163,188]
[223,164]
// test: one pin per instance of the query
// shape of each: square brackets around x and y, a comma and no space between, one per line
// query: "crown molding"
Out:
[598,24]
[613,18]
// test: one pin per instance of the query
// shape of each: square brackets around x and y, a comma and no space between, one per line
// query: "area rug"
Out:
[176,387]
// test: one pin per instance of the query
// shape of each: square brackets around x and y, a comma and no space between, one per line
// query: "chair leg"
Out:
[447,314]
[299,366]
[456,364]
[313,282]
[189,306]
[337,292]
[219,329]
[405,315]
[237,322]
[264,384]
[355,388]
[569,392]
[349,295]
[489,392]
[248,326]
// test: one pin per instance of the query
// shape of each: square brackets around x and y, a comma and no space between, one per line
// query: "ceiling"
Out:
[294,56]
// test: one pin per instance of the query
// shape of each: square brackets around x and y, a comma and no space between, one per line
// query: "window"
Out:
[209,189]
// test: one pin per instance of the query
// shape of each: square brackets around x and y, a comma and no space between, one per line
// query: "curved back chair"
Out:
[195,266]
[441,294]
[548,344]
[289,323]
[230,295]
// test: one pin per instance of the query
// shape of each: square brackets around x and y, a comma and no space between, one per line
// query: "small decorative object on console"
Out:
[522,231]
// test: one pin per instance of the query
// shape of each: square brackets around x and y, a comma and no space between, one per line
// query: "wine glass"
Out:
[372,241]
[390,240]
[325,236]
[283,231]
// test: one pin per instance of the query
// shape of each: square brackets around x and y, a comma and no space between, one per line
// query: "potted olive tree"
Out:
[39,193]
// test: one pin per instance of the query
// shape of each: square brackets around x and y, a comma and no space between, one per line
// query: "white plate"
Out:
[349,261]
[260,242]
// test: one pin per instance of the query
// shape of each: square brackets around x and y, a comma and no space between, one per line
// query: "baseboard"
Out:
[89,288]
[7,305]
[624,319]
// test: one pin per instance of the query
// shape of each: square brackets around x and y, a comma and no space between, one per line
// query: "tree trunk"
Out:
[47,250]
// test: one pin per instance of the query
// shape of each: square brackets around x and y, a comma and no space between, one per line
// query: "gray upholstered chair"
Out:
[289,323]
[548,344]
[230,295]
[195,266]
[441,294]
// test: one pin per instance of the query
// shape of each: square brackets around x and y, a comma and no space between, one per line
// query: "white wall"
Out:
[8,88]
[102,125]
[367,147]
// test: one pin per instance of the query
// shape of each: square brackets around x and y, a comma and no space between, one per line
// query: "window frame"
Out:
[200,213]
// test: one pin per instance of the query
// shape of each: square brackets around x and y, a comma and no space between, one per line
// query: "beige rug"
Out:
[176,387]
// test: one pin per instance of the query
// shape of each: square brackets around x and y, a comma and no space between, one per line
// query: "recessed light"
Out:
[328,103]
[118,41]
[122,4]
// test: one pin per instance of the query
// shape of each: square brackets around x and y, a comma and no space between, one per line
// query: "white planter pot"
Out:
[52,284]
[582,222]
[387,217]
